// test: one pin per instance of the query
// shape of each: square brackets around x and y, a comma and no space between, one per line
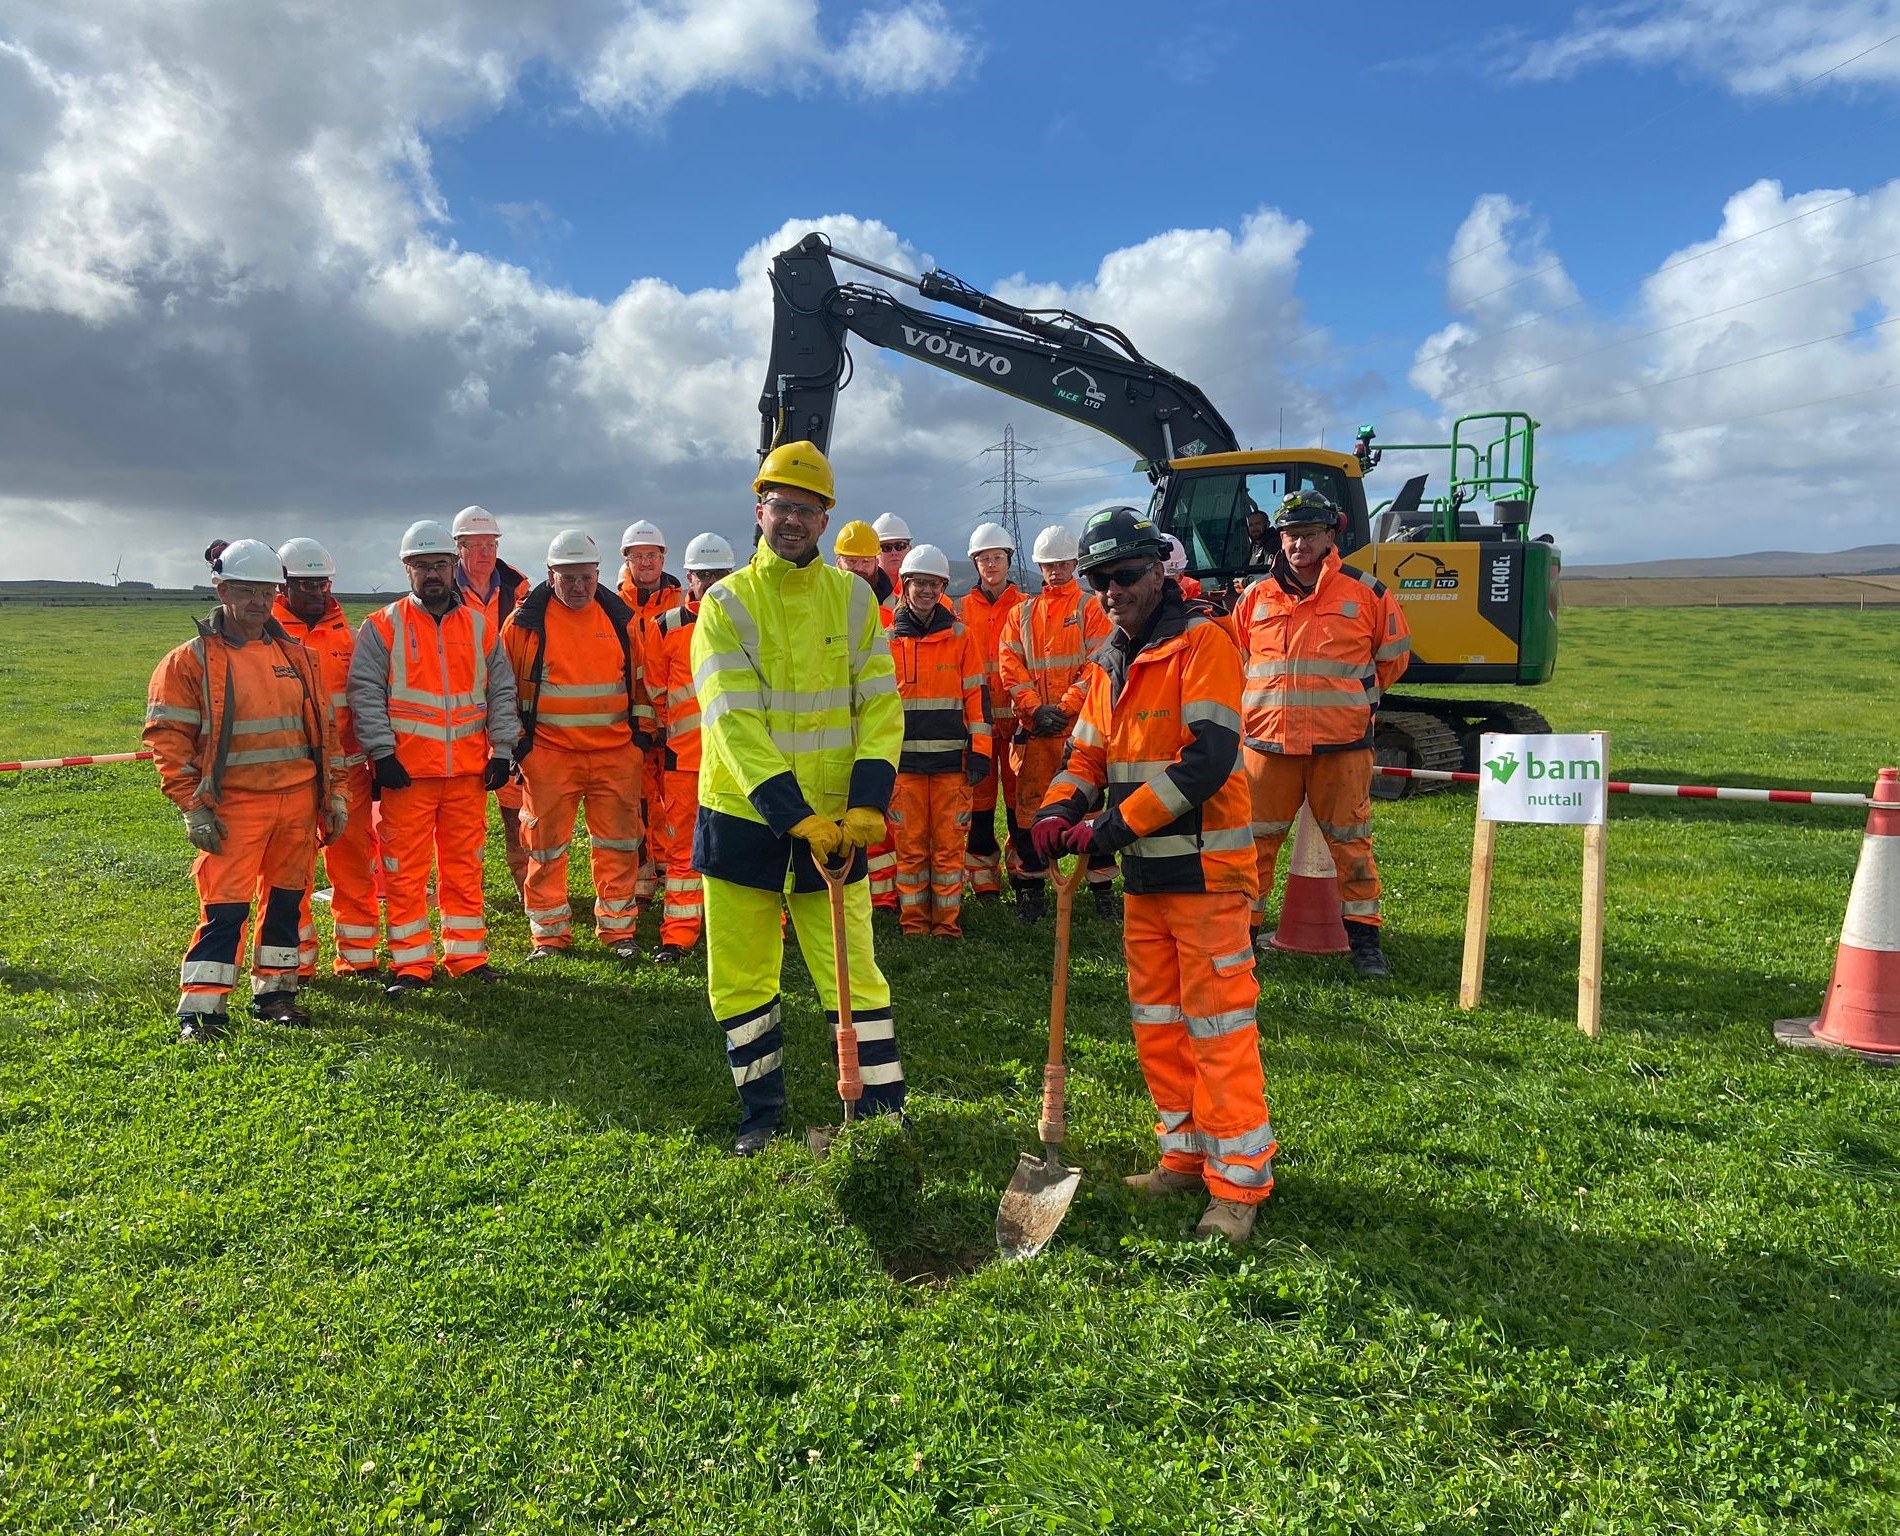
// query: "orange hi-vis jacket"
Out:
[1318,663]
[940,679]
[1159,739]
[668,595]
[1046,648]
[986,617]
[580,675]
[506,588]
[252,716]
[439,693]
[670,681]
[332,642]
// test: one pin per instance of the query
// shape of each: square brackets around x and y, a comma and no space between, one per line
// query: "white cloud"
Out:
[1754,47]
[1755,371]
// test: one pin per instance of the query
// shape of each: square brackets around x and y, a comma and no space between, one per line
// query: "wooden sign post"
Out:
[1548,780]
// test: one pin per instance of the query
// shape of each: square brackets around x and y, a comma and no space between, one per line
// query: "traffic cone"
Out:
[1861,1012]
[1311,922]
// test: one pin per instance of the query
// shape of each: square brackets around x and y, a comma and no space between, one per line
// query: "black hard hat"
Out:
[1305,508]
[1115,533]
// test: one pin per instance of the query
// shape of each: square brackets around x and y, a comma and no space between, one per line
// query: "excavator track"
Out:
[1410,738]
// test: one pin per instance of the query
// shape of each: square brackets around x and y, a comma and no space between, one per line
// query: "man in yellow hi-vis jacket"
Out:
[800,726]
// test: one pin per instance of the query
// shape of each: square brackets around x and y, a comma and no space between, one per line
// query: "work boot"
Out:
[1032,901]
[1108,906]
[203,1028]
[1367,958]
[1231,1219]
[542,952]
[668,954]
[626,949]
[1162,1181]
[751,1143]
[281,1008]
[484,973]
[401,986]
[989,898]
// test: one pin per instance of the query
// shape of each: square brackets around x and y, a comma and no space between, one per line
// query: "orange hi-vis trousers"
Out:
[606,784]
[350,865]
[930,822]
[656,850]
[881,872]
[683,911]
[1192,994]
[1338,786]
[443,822]
[270,847]
[985,860]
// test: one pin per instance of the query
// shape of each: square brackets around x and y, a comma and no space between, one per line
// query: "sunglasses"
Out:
[894,546]
[1121,576]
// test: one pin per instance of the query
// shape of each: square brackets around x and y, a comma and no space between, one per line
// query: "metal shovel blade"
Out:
[1033,1206]
[819,1138]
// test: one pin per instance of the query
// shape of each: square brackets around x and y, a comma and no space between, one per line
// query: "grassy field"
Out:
[1729,591]
[482,1264]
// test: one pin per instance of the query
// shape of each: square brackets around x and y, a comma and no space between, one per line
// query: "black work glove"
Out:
[1049,720]
[977,769]
[646,741]
[495,775]
[389,773]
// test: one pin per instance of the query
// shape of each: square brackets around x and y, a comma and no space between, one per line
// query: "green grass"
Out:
[482,1264]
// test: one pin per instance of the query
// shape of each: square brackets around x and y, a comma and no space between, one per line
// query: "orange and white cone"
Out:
[1861,1012]
[1311,922]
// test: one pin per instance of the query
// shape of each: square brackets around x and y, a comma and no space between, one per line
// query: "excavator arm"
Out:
[1078,368]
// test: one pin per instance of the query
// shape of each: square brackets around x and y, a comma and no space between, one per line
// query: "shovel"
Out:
[850,1083]
[1038,1196]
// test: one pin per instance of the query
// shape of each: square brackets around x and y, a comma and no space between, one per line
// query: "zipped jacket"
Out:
[1158,741]
[1318,662]
[669,668]
[987,617]
[1046,648]
[332,642]
[940,679]
[439,693]
[799,715]
[664,598]
[579,676]
[509,587]
[245,716]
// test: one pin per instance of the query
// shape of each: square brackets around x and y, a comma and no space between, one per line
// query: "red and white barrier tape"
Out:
[78,762]
[1675,791]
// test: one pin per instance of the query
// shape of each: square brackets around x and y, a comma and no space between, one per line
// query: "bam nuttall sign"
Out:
[1542,778]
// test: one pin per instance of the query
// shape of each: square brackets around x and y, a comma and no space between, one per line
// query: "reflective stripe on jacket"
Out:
[670,681]
[987,617]
[580,676]
[798,714]
[439,693]
[940,679]
[1159,741]
[332,642]
[1318,663]
[1047,646]
[220,715]
[649,606]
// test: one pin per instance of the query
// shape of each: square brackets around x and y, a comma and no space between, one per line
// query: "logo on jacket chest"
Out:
[289,674]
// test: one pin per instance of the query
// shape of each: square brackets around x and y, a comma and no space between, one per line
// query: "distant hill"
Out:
[1867,560]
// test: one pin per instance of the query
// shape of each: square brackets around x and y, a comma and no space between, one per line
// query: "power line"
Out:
[1010,511]
[1779,410]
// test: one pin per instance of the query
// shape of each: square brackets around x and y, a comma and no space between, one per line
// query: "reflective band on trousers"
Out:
[1216,1024]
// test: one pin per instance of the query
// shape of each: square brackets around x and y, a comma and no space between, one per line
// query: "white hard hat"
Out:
[573,546]
[640,531]
[429,538]
[708,552]
[475,520]
[991,536]
[891,526]
[305,557]
[1055,543]
[1175,561]
[925,560]
[248,560]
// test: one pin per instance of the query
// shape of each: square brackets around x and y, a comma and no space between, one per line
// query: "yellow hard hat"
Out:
[858,540]
[797,464]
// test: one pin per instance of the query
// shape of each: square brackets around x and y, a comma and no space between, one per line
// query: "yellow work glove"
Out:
[826,838]
[862,826]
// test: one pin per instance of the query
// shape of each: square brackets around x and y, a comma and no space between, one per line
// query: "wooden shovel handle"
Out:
[850,1078]
[1066,886]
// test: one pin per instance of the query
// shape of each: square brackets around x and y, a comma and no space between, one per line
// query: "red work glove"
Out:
[1047,837]
[1080,838]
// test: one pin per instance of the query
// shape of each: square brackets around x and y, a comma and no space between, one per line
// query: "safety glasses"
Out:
[1121,576]
[782,504]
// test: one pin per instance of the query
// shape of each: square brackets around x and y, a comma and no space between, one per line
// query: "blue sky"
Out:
[330,271]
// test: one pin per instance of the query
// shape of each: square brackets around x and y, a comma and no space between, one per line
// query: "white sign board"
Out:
[1555,780]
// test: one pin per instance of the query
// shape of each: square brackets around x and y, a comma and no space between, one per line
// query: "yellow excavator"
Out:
[1480,594]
